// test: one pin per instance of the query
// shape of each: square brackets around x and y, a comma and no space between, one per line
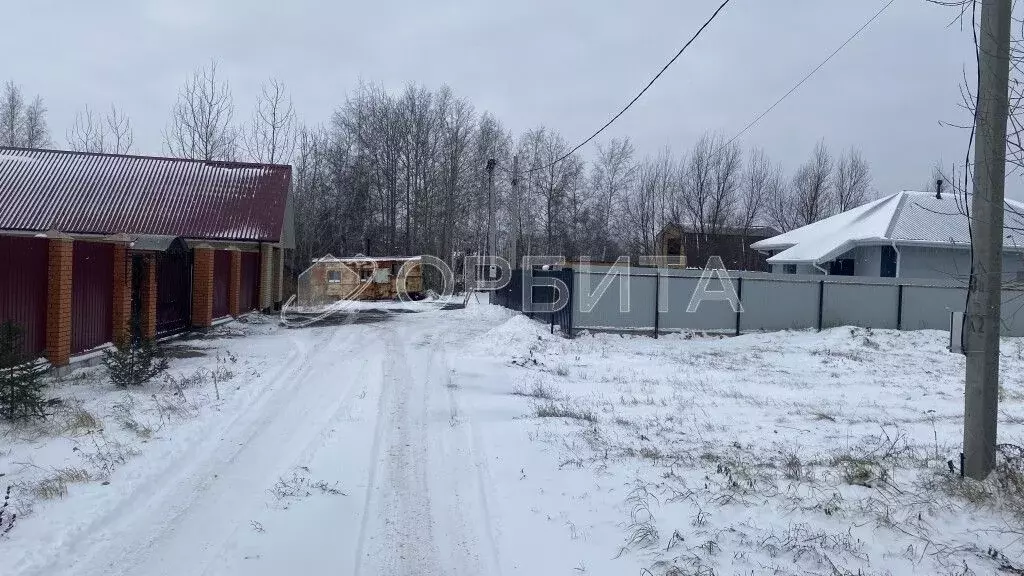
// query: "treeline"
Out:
[406,173]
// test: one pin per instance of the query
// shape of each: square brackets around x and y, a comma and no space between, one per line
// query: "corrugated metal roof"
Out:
[88,193]
[905,218]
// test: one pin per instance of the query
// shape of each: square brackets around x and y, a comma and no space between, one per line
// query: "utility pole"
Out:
[981,398]
[491,248]
[515,212]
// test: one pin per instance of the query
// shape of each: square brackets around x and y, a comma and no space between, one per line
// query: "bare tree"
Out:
[852,181]
[12,109]
[22,125]
[648,203]
[91,133]
[270,135]
[200,126]
[612,175]
[813,188]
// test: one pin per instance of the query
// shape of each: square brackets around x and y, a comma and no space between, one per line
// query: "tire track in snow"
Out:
[118,545]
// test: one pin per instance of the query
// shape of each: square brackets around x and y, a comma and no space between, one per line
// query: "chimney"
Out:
[938,189]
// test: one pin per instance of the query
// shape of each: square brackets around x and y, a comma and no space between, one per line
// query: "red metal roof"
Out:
[88,193]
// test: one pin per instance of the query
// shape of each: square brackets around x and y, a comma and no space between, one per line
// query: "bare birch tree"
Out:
[270,135]
[201,120]
[22,125]
[612,175]
[111,133]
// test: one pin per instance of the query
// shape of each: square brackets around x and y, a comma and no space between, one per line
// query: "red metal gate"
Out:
[23,289]
[221,282]
[92,295]
[249,291]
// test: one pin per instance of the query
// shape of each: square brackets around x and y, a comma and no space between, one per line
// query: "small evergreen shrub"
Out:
[134,363]
[21,379]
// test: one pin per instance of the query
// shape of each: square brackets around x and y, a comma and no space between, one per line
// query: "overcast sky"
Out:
[567,65]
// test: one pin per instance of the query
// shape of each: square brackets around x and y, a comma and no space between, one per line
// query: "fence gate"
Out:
[520,287]
[249,291]
[92,295]
[174,289]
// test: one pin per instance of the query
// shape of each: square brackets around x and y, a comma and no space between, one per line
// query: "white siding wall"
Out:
[918,262]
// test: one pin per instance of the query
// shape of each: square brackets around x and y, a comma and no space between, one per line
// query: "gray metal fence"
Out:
[657,303]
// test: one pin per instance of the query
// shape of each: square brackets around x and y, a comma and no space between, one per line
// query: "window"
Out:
[789,268]
[888,262]
[841,267]
[334,276]
[673,247]
[365,274]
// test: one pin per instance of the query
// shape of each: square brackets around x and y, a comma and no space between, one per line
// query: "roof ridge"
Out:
[896,214]
[239,163]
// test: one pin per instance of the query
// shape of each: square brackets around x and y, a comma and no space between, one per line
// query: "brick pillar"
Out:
[235,287]
[266,277]
[202,286]
[147,311]
[58,301]
[278,275]
[122,313]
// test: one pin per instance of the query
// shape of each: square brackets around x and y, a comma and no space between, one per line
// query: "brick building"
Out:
[89,242]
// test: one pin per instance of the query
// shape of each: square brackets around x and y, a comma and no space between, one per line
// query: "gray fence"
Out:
[657,303]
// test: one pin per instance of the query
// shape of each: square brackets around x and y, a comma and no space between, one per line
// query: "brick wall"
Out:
[149,294]
[58,309]
[235,287]
[202,287]
[122,296]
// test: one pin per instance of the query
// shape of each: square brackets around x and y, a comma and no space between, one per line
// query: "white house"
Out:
[905,235]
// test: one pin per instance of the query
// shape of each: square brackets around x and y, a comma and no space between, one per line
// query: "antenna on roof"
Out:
[938,189]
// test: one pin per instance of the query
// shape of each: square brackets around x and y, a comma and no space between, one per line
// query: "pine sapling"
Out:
[135,362]
[21,378]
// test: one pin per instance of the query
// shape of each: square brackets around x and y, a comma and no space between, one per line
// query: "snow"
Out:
[415,445]
[15,158]
[906,218]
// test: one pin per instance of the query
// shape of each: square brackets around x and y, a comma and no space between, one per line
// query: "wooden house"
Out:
[361,278]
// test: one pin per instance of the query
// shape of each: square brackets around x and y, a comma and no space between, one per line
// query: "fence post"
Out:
[657,299]
[821,301]
[739,295]
[899,307]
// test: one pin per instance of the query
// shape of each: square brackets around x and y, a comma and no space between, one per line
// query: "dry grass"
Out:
[56,485]
[563,410]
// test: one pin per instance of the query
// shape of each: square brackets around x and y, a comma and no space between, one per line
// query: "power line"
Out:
[811,73]
[637,97]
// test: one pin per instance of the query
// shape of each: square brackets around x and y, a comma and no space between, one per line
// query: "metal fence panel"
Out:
[864,305]
[23,289]
[606,312]
[778,305]
[1012,313]
[92,295]
[929,307]
[714,315]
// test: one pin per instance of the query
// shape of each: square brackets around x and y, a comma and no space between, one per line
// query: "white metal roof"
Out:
[905,218]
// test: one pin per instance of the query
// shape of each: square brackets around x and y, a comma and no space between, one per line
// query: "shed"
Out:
[360,277]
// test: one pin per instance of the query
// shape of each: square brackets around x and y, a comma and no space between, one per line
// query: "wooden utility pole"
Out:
[515,213]
[981,398]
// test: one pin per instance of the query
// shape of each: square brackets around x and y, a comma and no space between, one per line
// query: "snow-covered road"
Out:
[365,410]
